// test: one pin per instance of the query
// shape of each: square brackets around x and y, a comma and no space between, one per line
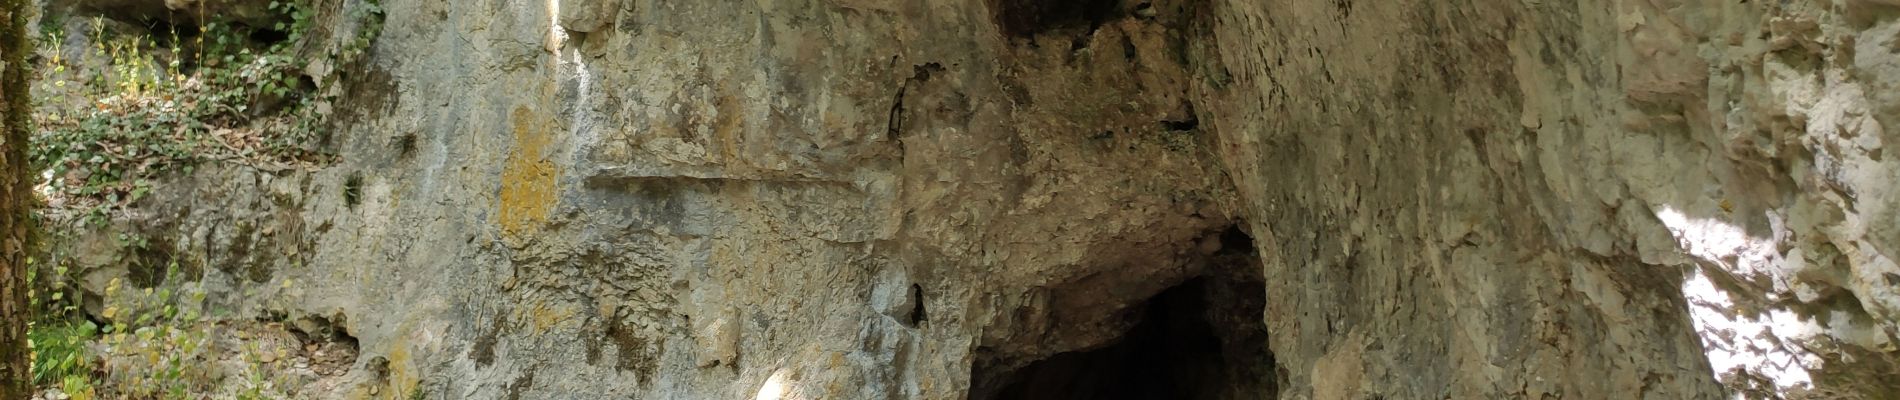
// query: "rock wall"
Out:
[807,199]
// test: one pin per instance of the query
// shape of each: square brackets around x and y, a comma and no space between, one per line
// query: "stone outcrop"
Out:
[1029,198]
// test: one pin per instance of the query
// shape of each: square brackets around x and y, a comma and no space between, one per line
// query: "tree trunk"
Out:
[16,199]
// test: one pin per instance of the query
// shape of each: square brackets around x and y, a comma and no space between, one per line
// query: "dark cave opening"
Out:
[1027,18]
[1173,353]
[1202,338]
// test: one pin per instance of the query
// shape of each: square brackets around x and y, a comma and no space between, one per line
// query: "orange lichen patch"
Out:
[528,179]
[727,126]
[545,317]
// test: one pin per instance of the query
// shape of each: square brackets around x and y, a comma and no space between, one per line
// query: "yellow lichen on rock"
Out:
[403,382]
[546,317]
[528,178]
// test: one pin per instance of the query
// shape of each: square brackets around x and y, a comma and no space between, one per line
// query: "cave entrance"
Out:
[1201,339]
[1027,18]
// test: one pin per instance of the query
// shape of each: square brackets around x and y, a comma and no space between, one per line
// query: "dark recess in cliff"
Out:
[1027,18]
[1201,339]
[1174,353]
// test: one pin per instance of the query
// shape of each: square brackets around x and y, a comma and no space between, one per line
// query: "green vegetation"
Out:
[58,339]
[156,344]
[169,101]
[151,115]
[120,116]
[60,357]
[158,337]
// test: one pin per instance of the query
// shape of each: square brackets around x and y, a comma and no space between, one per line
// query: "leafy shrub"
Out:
[168,103]
[59,351]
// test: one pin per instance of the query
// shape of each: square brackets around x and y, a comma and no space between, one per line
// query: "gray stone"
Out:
[1485,199]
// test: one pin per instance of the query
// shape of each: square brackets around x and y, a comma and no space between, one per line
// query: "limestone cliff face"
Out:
[856,199]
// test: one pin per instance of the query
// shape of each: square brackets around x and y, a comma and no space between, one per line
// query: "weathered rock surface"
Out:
[899,199]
